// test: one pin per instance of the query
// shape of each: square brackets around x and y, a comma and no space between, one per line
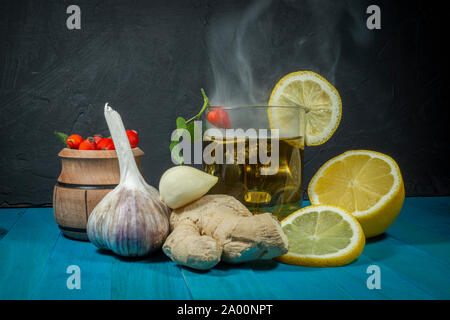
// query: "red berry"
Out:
[219,118]
[74,141]
[98,137]
[106,144]
[88,144]
[133,138]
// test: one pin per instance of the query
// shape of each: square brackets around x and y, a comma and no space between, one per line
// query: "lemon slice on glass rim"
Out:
[322,103]
[322,236]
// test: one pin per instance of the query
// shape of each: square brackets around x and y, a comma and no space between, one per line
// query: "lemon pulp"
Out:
[366,183]
[322,236]
[321,101]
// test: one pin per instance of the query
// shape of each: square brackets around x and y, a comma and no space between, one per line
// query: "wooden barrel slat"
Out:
[76,194]
[93,197]
[70,207]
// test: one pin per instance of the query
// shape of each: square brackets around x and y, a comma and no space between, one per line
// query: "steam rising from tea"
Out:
[250,48]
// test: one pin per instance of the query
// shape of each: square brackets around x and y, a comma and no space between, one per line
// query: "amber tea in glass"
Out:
[261,186]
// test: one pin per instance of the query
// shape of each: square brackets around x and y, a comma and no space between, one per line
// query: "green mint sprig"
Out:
[188,125]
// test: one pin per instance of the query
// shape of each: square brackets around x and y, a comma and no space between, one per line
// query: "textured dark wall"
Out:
[150,58]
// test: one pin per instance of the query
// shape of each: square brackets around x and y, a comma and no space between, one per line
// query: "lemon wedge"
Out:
[322,236]
[320,99]
[366,183]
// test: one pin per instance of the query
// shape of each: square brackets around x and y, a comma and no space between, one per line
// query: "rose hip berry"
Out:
[219,118]
[74,141]
[88,144]
[106,144]
[133,138]
[98,137]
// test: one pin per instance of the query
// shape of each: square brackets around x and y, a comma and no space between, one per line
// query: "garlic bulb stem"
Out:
[129,172]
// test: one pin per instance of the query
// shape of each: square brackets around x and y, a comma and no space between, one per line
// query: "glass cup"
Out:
[257,154]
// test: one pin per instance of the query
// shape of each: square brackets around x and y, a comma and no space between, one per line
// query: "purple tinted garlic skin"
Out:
[129,223]
[131,220]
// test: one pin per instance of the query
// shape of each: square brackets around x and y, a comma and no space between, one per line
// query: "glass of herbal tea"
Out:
[257,154]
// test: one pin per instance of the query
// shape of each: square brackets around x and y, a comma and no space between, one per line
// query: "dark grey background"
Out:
[149,59]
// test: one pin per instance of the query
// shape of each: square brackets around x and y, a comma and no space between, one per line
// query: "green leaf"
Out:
[178,134]
[173,144]
[177,157]
[191,129]
[63,137]
[188,125]
[181,123]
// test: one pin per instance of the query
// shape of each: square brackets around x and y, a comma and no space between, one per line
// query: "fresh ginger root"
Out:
[219,227]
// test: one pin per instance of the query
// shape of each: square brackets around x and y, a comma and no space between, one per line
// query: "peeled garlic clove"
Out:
[181,185]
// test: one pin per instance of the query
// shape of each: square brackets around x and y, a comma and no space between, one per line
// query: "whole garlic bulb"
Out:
[131,220]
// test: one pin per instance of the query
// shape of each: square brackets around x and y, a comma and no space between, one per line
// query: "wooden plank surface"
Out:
[423,270]
[106,276]
[227,282]
[24,252]
[8,217]
[432,213]
[434,243]
[95,272]
[413,256]
[155,277]
[349,282]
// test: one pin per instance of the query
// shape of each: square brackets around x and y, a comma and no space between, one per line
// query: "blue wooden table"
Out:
[413,257]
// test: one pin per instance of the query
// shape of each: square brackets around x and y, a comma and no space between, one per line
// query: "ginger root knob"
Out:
[219,227]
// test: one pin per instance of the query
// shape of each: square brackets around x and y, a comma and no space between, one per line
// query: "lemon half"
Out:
[366,183]
[322,236]
[320,99]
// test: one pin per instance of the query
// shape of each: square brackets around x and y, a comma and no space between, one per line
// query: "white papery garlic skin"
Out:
[131,220]
[181,185]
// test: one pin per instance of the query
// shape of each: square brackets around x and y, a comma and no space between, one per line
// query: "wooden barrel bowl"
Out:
[86,177]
